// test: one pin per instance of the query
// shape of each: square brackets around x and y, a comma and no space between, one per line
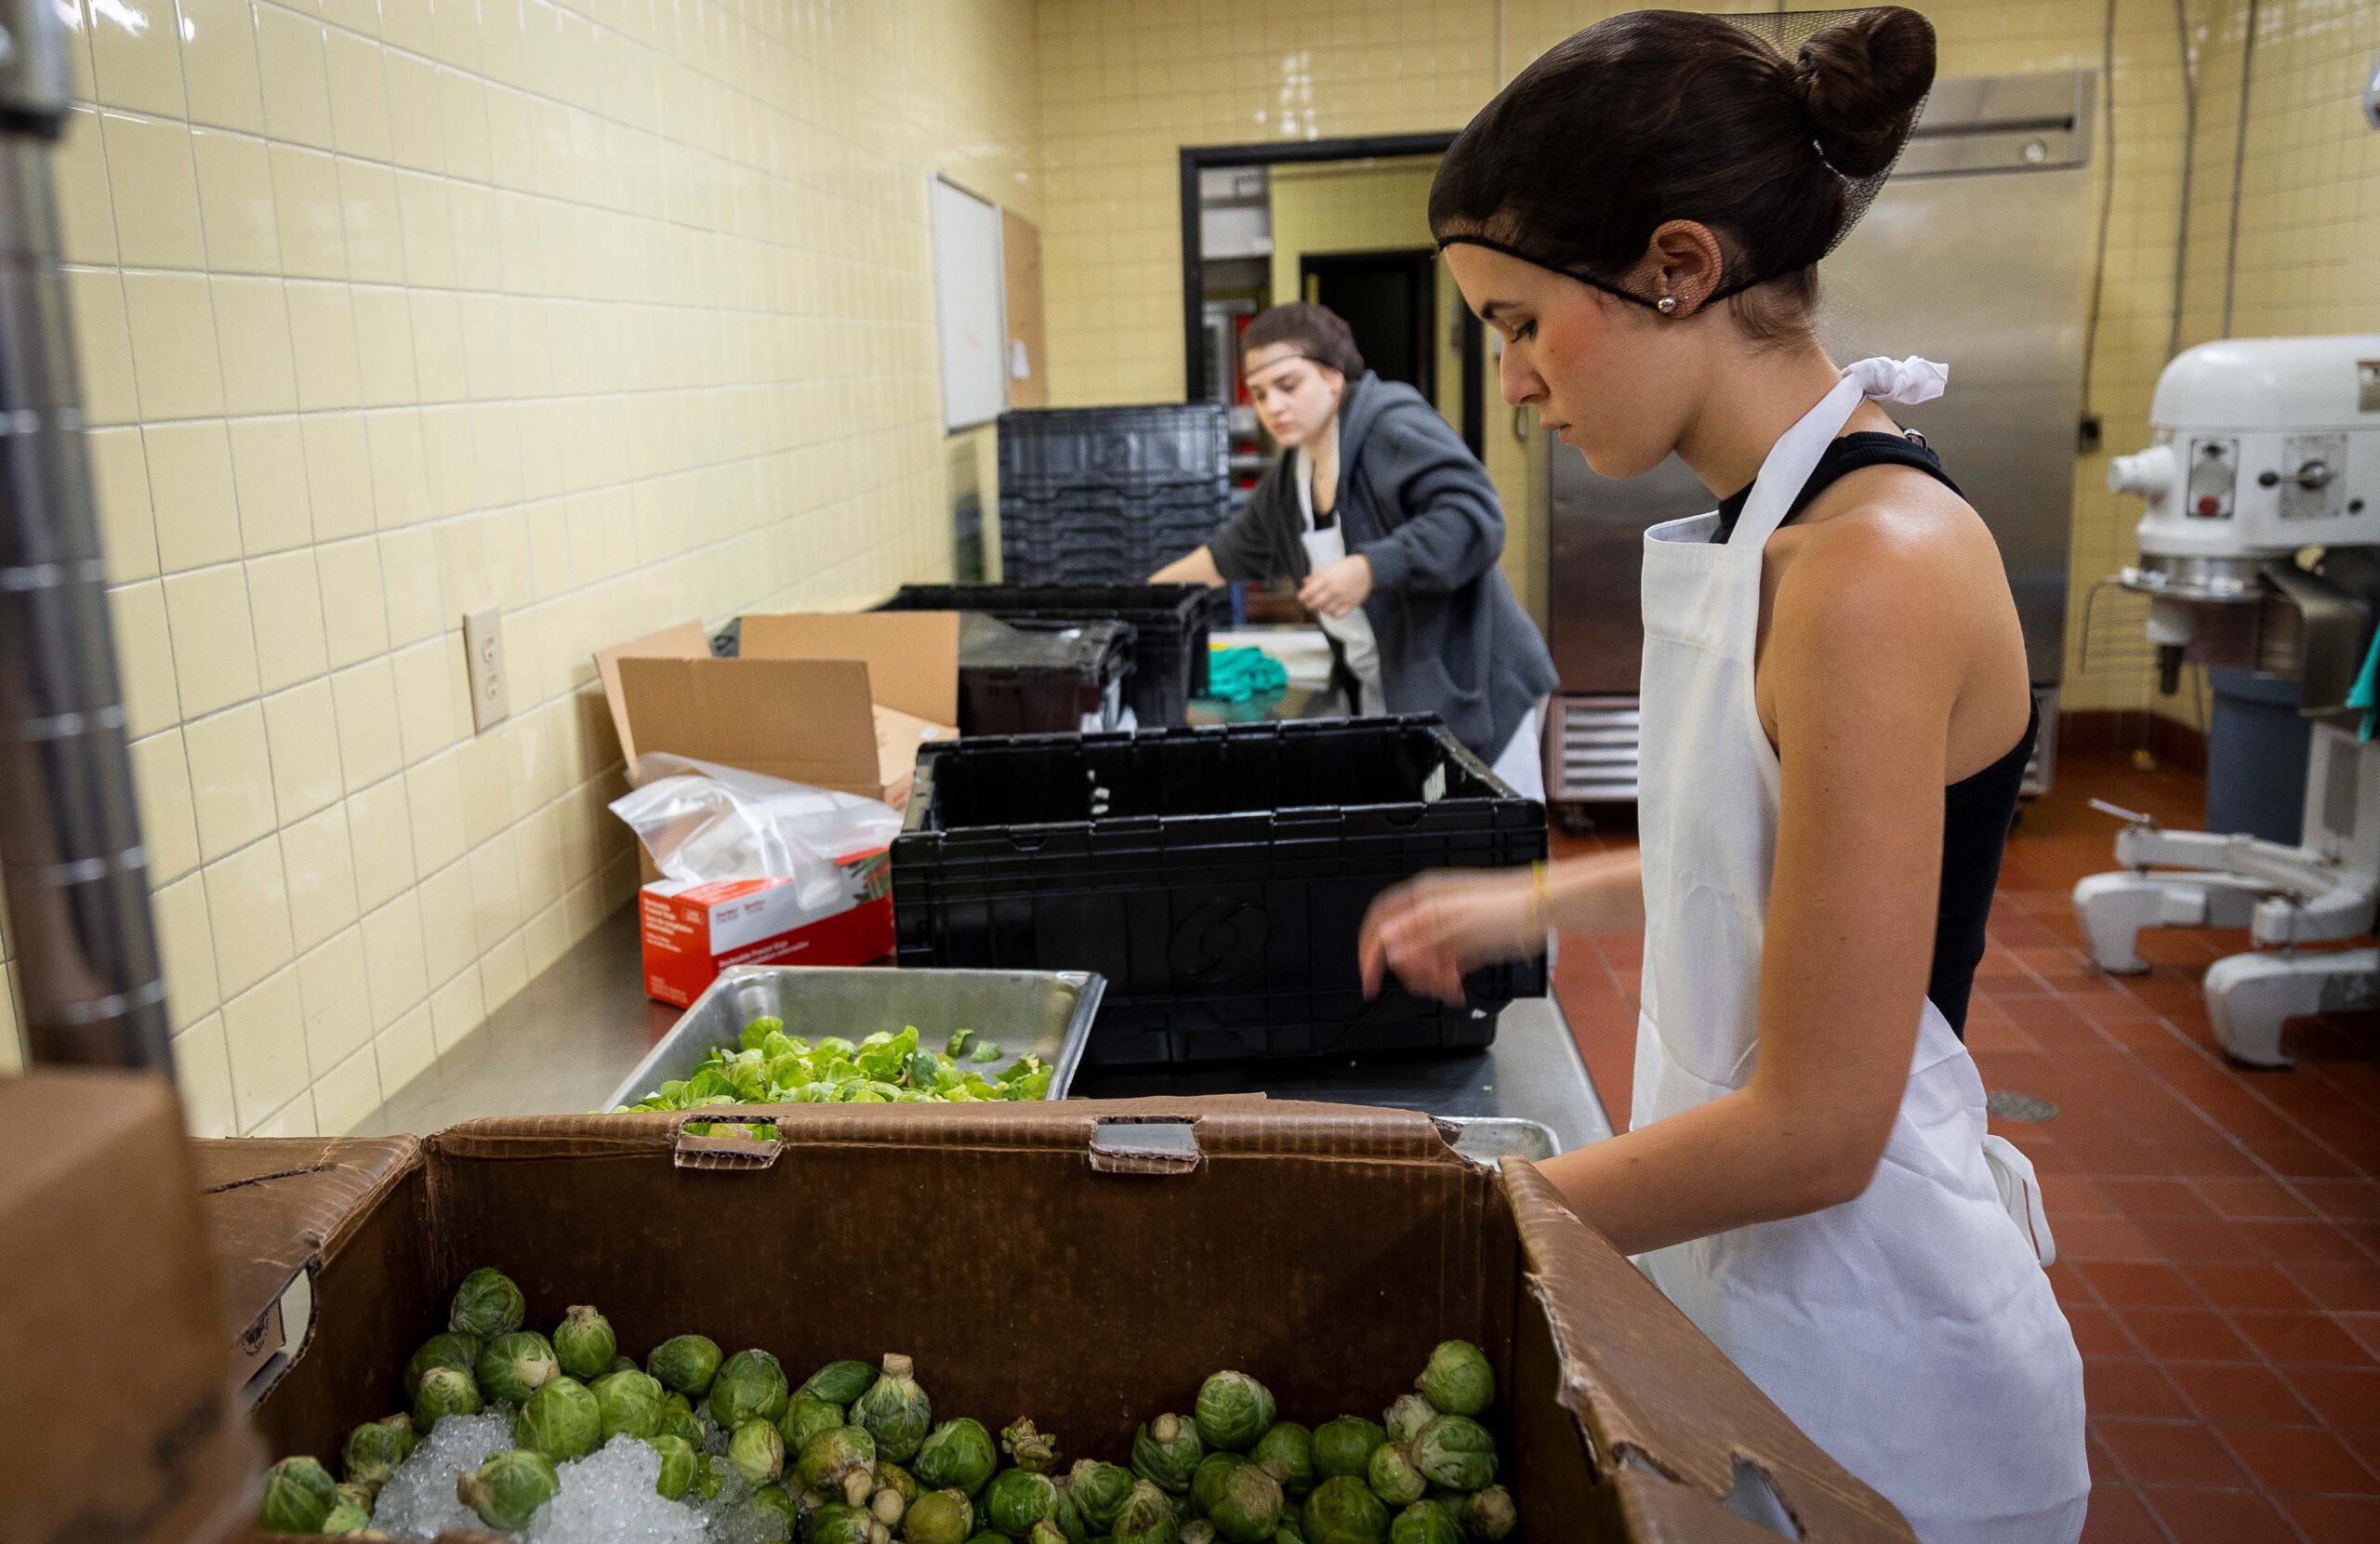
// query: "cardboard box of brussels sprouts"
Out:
[1087,1264]
[120,1422]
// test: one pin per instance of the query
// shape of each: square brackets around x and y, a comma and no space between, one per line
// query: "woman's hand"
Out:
[1433,930]
[1338,589]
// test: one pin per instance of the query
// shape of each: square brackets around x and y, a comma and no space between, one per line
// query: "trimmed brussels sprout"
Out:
[676,1466]
[1198,1530]
[749,1386]
[629,1401]
[891,1476]
[1405,1419]
[1290,1531]
[1489,1513]
[363,1495]
[777,1499]
[838,1524]
[1166,1453]
[486,1305]
[622,1364]
[988,1537]
[1069,1515]
[1234,1410]
[1287,1451]
[1426,1523]
[561,1421]
[939,1517]
[896,1412]
[1209,1477]
[1046,1531]
[1393,1477]
[1028,1448]
[375,1448]
[677,1419]
[1458,1382]
[958,1455]
[584,1345]
[444,1349]
[686,1362]
[1342,1510]
[757,1452]
[839,1382]
[1456,1452]
[515,1365]
[444,1392]
[1344,1447]
[298,1493]
[888,1505]
[509,1488]
[1017,1499]
[840,1462]
[1247,1506]
[806,1415]
[348,1516]
[1147,1516]
[1099,1490]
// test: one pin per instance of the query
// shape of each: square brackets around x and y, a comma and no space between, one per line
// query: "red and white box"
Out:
[693,929]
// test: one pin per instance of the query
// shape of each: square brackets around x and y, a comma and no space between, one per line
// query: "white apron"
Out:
[1911,1332]
[1354,630]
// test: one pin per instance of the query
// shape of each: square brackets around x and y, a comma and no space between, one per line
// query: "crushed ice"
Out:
[418,1501]
[606,1497]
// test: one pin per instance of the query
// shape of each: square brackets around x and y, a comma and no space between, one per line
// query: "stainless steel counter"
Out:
[565,1041]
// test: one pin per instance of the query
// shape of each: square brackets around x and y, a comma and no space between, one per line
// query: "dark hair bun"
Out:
[1863,79]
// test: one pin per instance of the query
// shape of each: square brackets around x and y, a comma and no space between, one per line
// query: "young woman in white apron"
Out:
[1835,713]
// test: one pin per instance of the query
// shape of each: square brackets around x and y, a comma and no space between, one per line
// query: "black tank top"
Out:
[1976,810]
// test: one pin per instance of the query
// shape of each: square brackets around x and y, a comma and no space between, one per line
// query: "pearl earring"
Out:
[1666,305]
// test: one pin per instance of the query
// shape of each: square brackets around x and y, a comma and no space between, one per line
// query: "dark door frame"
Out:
[1198,158]
[1422,260]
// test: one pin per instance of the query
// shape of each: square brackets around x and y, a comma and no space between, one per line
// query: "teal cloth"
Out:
[2366,694]
[1236,675]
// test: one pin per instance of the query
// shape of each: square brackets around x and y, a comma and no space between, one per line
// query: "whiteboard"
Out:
[969,306]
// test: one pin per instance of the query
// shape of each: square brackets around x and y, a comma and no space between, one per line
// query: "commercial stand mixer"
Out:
[2261,549]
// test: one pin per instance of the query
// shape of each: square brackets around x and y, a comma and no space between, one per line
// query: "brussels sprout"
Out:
[1166,1453]
[779,1500]
[444,1392]
[939,1517]
[1426,1523]
[1198,1530]
[1344,1447]
[375,1448]
[1069,1514]
[757,1452]
[1234,1410]
[1456,1452]
[1342,1510]
[837,1523]
[1290,1531]
[888,1505]
[677,1419]
[585,1345]
[1246,1505]
[891,1476]
[1147,1516]
[1099,1489]
[562,1420]
[1489,1513]
[363,1495]
[1029,1448]
[486,1305]
[806,1415]
[347,1516]
[1209,1477]
[686,1362]
[749,1386]
[840,1462]
[956,1455]
[1017,1499]
[509,1488]
[515,1365]
[1287,1451]
[988,1537]
[298,1493]
[622,1364]
[676,1466]
[1393,1477]
[1408,1416]
[839,1382]
[629,1401]
[445,1349]
[896,1412]
[1458,1382]
[1045,1531]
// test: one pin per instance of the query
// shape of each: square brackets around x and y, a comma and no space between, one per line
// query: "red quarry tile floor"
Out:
[2218,1226]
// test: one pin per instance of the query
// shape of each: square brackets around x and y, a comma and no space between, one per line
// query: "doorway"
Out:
[1389,301]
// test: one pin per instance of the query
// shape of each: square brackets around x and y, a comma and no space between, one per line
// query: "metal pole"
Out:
[77,876]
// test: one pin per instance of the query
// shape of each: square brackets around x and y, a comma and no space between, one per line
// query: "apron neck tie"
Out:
[1908,381]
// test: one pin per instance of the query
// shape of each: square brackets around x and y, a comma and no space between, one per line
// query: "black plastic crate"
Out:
[1109,494]
[1032,677]
[1169,627]
[1217,877]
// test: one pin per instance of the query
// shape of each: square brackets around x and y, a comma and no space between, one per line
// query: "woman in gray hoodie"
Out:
[1393,532]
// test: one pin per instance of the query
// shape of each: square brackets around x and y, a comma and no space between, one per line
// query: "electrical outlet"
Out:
[484,642]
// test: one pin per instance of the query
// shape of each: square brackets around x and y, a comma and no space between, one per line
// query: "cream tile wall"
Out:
[607,313]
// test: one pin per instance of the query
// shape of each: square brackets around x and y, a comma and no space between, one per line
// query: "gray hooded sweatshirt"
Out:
[1453,638]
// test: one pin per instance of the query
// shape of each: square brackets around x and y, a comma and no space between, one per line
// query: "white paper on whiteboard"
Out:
[969,306]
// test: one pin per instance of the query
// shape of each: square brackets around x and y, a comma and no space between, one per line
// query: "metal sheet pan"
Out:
[1044,1013]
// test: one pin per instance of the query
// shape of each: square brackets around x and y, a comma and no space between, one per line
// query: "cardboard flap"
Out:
[686,640]
[274,1205]
[1663,1395]
[912,656]
[807,720]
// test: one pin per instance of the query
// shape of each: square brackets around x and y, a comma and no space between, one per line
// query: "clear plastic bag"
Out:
[703,823]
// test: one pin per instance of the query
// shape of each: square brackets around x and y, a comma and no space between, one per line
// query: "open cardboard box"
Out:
[1088,1263]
